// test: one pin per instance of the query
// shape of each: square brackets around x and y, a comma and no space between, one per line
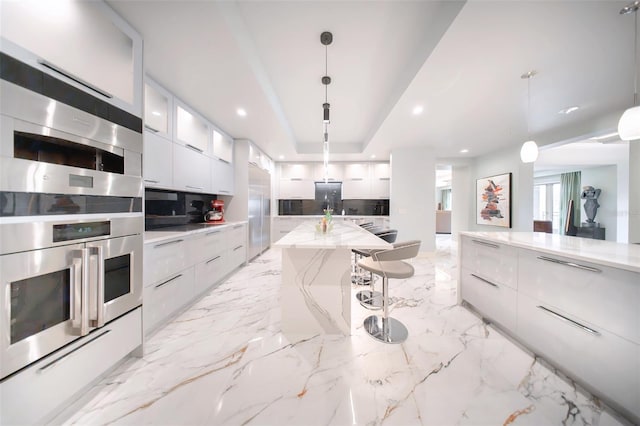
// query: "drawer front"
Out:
[206,246]
[496,302]
[237,256]
[164,259]
[42,389]
[164,298]
[489,259]
[236,237]
[208,273]
[604,296]
[606,364]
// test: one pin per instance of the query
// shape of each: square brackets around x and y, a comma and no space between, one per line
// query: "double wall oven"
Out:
[71,218]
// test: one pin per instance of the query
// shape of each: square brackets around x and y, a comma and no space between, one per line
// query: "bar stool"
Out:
[372,299]
[389,264]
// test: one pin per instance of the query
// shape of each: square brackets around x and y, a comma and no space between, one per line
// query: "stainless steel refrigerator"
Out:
[259,211]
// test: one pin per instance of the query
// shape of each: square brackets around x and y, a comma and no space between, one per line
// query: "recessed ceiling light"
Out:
[417,110]
[281,157]
[241,112]
[373,156]
[569,110]
[464,151]
[156,113]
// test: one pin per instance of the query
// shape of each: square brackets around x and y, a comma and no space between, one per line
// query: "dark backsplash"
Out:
[351,207]
[174,208]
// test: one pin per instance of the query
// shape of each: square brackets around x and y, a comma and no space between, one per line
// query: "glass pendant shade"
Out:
[529,152]
[629,124]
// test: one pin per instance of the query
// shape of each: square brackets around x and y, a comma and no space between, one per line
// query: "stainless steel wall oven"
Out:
[71,218]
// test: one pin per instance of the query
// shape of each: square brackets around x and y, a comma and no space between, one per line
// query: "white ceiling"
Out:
[461,61]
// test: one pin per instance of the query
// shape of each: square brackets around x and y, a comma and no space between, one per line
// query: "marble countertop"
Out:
[343,235]
[609,253]
[164,234]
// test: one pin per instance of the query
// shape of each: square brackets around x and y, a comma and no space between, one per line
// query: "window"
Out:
[546,203]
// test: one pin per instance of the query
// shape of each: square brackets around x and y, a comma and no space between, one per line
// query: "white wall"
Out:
[413,183]
[604,178]
[634,192]
[461,199]
[499,162]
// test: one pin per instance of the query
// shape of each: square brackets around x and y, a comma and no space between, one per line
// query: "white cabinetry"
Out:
[297,189]
[380,181]
[302,171]
[35,394]
[191,129]
[191,169]
[366,181]
[488,279]
[335,172]
[178,270]
[222,146]
[84,43]
[580,315]
[158,110]
[157,161]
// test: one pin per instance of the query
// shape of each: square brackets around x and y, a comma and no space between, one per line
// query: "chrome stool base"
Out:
[370,299]
[386,330]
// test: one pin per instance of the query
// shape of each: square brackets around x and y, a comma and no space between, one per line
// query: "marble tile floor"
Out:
[224,361]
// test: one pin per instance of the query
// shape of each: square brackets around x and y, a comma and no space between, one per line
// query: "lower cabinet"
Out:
[597,359]
[177,271]
[579,315]
[35,394]
[496,301]
[166,297]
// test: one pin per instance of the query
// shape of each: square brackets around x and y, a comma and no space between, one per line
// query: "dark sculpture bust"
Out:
[590,194]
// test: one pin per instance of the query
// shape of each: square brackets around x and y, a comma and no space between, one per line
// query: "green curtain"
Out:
[569,190]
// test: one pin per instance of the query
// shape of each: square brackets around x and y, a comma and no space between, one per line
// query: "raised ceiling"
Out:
[461,61]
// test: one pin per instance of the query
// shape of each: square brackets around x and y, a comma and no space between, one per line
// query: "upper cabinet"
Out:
[222,146]
[335,172]
[356,171]
[300,171]
[84,43]
[158,107]
[191,129]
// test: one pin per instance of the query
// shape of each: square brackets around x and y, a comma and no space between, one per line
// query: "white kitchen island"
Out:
[315,294]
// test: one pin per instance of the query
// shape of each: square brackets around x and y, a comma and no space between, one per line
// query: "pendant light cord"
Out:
[326,72]
[635,58]
[528,103]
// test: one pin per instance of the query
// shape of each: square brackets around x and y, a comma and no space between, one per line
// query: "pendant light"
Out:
[326,38]
[629,124]
[529,150]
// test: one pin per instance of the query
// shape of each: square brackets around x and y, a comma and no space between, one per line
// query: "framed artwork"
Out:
[493,200]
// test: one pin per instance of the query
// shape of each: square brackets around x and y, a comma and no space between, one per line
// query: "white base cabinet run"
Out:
[179,269]
[564,302]
[36,394]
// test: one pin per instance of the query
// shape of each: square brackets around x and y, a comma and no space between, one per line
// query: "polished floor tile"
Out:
[225,362]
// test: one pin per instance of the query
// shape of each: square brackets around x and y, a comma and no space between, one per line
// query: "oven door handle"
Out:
[80,299]
[76,290]
[98,286]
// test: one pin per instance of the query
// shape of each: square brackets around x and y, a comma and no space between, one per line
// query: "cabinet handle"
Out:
[168,281]
[224,191]
[570,321]
[484,243]
[168,243]
[296,179]
[384,178]
[146,126]
[195,187]
[211,260]
[224,161]
[239,247]
[573,265]
[70,76]
[195,148]
[211,233]
[484,280]
[55,361]
[356,179]
[238,226]
[152,181]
